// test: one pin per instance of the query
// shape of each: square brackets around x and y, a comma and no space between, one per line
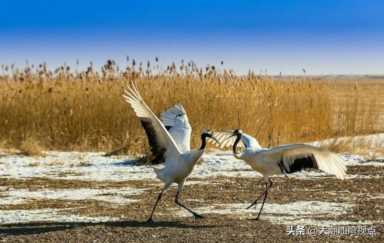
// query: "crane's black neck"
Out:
[238,137]
[203,141]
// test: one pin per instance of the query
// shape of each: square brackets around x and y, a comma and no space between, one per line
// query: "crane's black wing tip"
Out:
[157,149]
[299,164]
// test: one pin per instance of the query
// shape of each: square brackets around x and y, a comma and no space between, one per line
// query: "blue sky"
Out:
[327,36]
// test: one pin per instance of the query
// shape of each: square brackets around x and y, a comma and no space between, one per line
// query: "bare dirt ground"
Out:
[314,203]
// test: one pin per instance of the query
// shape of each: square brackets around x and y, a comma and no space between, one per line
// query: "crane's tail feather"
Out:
[331,163]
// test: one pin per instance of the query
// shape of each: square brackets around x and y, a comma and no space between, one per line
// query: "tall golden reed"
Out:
[89,114]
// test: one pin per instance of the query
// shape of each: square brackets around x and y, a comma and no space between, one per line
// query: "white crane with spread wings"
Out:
[170,142]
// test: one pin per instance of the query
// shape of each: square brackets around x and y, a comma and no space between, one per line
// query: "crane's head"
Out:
[229,138]
[206,133]
[237,132]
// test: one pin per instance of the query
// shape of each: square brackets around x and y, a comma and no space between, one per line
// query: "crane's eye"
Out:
[179,115]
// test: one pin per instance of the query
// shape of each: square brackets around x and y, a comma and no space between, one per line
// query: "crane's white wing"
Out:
[315,158]
[249,141]
[176,122]
[159,138]
[227,139]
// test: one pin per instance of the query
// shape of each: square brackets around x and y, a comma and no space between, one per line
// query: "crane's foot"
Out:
[257,218]
[150,221]
[197,216]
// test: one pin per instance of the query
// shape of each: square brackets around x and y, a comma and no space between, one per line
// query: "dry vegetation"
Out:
[65,109]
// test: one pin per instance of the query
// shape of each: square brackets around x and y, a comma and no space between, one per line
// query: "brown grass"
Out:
[30,147]
[90,114]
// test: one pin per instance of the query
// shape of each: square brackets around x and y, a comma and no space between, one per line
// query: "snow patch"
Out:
[114,195]
[86,166]
[96,167]
[90,166]
[46,215]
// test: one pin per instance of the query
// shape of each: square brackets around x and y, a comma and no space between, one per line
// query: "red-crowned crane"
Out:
[283,159]
[169,141]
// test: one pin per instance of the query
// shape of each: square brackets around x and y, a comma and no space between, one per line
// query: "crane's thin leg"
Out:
[265,197]
[267,184]
[179,189]
[150,220]
[257,199]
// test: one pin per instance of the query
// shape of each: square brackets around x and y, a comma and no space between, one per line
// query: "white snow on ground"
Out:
[74,165]
[93,166]
[46,215]
[114,195]
[96,167]
[300,212]
[90,166]
[222,163]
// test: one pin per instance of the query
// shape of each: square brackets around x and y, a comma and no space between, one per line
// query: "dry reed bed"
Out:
[91,114]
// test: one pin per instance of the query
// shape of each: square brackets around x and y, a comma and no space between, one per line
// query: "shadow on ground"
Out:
[37,228]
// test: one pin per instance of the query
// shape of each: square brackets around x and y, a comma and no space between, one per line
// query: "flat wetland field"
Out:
[49,205]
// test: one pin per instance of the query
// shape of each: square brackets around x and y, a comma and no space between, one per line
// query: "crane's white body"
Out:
[179,168]
[267,161]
